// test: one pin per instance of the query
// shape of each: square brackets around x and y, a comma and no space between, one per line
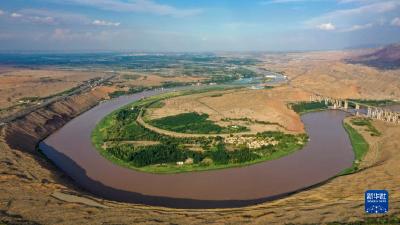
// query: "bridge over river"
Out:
[359,109]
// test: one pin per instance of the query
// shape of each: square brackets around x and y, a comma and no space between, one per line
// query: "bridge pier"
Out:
[372,112]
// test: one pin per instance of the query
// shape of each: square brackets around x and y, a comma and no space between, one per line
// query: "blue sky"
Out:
[189,25]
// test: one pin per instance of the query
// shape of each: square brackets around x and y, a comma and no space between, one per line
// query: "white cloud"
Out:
[16,15]
[39,16]
[143,6]
[376,8]
[396,22]
[105,23]
[365,13]
[61,34]
[358,27]
[1,12]
[326,26]
[44,19]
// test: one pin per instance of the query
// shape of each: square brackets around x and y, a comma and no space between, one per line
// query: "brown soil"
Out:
[20,83]
[326,73]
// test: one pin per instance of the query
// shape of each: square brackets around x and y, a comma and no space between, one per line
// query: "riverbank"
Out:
[360,148]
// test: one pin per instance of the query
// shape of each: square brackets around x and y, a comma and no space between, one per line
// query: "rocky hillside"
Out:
[387,57]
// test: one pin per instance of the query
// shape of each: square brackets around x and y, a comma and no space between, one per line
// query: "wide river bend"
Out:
[327,153]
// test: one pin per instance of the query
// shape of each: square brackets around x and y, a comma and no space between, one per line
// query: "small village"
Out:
[250,142]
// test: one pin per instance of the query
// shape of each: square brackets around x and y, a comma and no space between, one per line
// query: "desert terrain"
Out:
[23,88]
[327,73]
[22,83]
[34,191]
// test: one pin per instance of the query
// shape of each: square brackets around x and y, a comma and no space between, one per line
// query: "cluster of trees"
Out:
[171,152]
[194,123]
[130,91]
[131,76]
[303,107]
[155,154]
[188,123]
[221,156]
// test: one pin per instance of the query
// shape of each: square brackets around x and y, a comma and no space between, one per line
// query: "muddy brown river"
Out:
[327,153]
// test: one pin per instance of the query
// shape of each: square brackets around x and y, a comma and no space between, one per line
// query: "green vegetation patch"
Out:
[130,76]
[174,155]
[156,105]
[216,95]
[367,123]
[360,148]
[375,103]
[304,107]
[130,91]
[194,123]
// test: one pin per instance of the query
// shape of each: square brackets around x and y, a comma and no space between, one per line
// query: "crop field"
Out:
[194,123]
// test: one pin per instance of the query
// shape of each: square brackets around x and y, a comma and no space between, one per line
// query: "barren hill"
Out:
[387,57]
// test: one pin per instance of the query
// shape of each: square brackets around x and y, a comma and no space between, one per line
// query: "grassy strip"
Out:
[366,122]
[360,148]
[305,107]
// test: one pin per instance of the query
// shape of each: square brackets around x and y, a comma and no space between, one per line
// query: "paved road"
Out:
[82,88]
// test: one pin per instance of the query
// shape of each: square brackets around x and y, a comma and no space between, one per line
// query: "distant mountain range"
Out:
[387,57]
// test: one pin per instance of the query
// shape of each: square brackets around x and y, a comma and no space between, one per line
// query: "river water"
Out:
[327,153]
